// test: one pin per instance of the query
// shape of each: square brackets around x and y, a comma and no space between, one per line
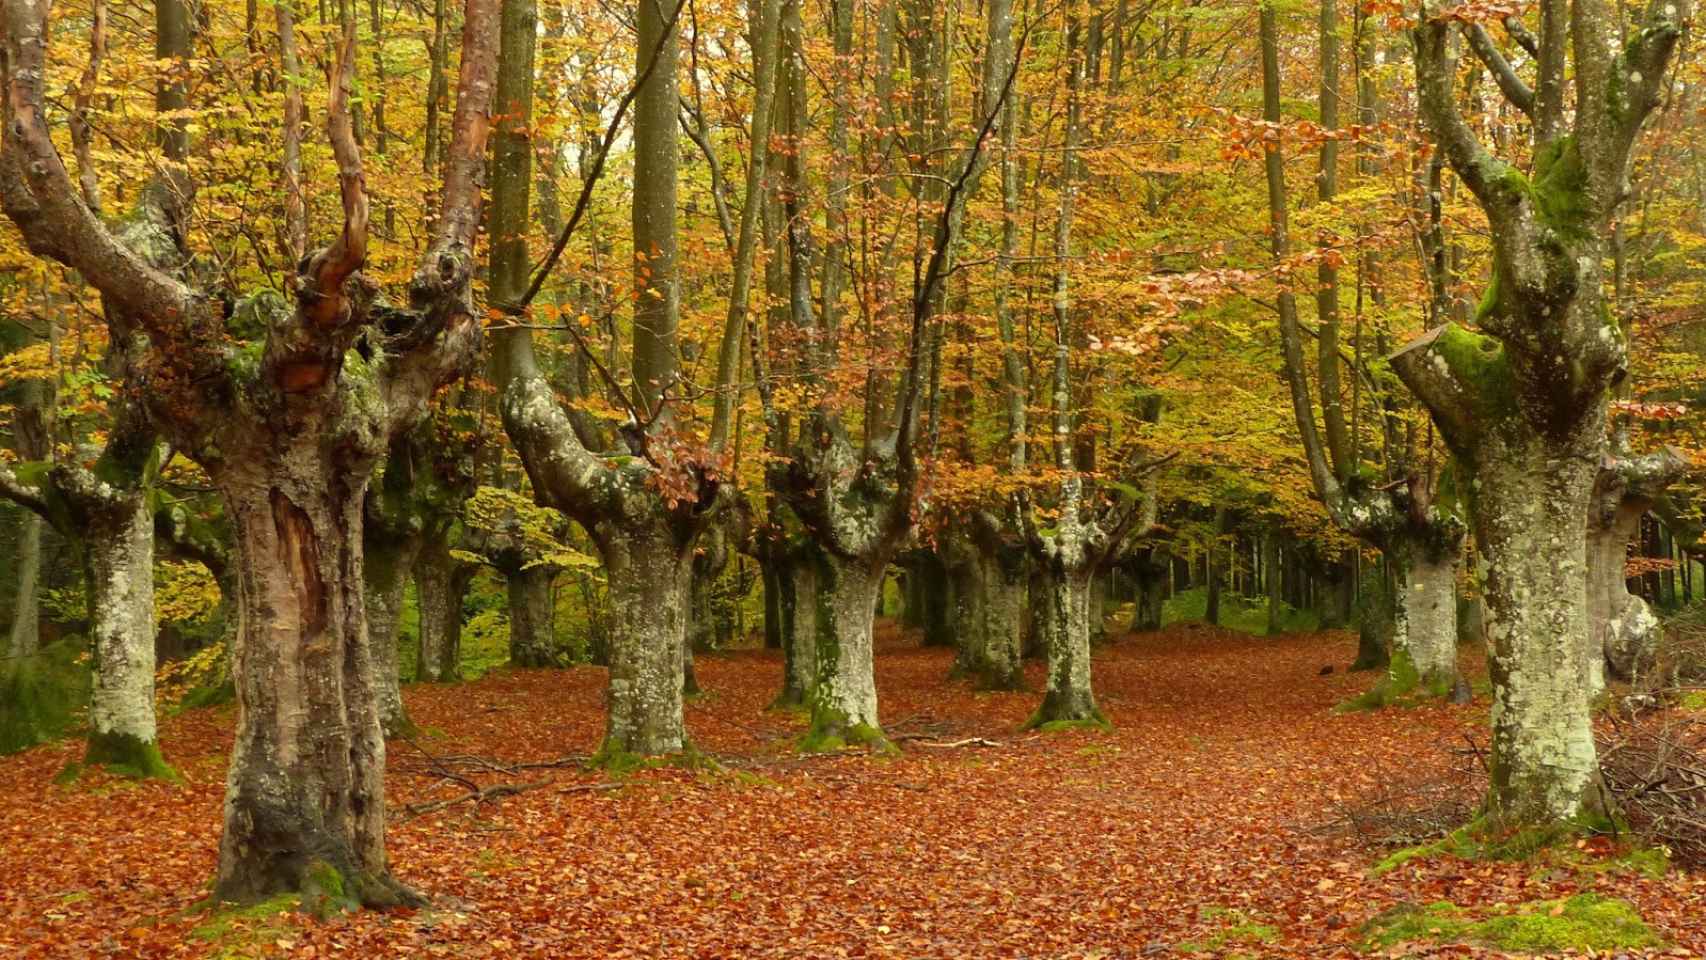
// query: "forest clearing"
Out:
[1211,821]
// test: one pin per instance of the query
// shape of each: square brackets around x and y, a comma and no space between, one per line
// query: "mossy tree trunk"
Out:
[843,694]
[1523,406]
[119,549]
[648,577]
[289,442]
[1424,624]
[990,579]
[1062,597]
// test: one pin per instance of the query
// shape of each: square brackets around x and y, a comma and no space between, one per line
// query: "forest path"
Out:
[1203,820]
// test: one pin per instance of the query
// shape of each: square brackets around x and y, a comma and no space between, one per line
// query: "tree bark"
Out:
[120,557]
[843,694]
[648,577]
[441,580]
[1062,598]
[24,634]
[387,564]
[1625,630]
[1424,625]
[990,579]
[531,640]
[305,796]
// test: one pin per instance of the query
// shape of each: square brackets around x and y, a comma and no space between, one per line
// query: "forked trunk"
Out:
[531,643]
[843,694]
[387,564]
[648,576]
[120,544]
[304,800]
[1532,511]
[1062,602]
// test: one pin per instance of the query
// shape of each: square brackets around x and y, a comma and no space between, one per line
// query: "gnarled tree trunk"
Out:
[1625,631]
[305,798]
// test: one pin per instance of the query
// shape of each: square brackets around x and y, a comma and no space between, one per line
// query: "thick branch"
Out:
[1511,85]
[38,195]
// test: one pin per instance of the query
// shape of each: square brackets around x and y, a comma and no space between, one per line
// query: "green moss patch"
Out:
[242,932]
[129,756]
[1583,922]
[1401,687]
[1238,930]
[1486,839]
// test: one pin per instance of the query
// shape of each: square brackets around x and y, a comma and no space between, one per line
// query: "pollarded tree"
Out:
[1522,402]
[104,508]
[289,439]
[1403,519]
[645,505]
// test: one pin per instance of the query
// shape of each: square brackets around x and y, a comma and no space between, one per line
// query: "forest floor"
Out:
[1212,821]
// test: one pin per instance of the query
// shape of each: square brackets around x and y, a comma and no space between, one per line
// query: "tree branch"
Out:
[38,195]
[1511,85]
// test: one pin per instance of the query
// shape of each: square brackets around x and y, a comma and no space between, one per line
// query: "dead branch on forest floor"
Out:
[1417,809]
[1654,765]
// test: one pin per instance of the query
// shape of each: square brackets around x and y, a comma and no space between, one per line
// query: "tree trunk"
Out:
[1151,593]
[1424,626]
[648,576]
[305,803]
[440,582]
[1062,597]
[24,634]
[387,564]
[1626,633]
[1271,569]
[991,593]
[799,633]
[843,694]
[531,643]
[1529,526]
[777,577]
[119,540]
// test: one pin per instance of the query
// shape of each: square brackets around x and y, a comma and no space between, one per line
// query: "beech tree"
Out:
[1419,536]
[1522,401]
[289,439]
